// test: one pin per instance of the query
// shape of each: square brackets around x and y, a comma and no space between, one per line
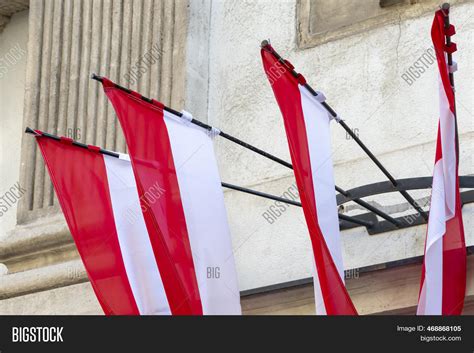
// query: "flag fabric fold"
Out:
[187,225]
[443,282]
[307,128]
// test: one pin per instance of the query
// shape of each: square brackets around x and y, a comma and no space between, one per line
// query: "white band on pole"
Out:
[320,97]
[124,156]
[453,67]
[214,132]
[187,115]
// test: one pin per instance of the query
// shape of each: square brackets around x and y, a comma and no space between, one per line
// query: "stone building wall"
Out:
[207,60]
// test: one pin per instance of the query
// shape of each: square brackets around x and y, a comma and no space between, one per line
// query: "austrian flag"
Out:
[307,129]
[187,226]
[152,232]
[98,194]
[443,282]
[105,214]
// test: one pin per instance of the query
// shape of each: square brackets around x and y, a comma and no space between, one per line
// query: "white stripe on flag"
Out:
[320,307]
[442,209]
[447,122]
[138,256]
[432,287]
[319,142]
[206,219]
[444,271]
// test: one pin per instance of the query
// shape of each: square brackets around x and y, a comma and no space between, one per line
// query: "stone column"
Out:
[139,44]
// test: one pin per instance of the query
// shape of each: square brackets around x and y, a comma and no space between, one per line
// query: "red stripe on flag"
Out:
[80,180]
[152,160]
[285,88]
[454,264]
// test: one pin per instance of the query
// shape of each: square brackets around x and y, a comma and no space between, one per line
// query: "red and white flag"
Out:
[105,214]
[187,225]
[307,129]
[99,199]
[443,281]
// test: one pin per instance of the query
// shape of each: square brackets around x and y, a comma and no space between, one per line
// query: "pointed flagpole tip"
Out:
[264,43]
[96,77]
[29,130]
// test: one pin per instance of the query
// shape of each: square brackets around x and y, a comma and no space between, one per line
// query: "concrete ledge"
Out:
[42,279]
[37,244]
[78,299]
[33,237]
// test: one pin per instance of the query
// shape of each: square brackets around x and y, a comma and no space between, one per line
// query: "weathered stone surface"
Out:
[42,278]
[9,8]
[44,242]
[78,299]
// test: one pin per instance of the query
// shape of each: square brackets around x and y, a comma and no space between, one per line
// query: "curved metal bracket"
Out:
[384,187]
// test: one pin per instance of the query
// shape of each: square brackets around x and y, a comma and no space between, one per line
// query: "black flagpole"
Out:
[362,222]
[265,45]
[445,9]
[260,152]
[205,126]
